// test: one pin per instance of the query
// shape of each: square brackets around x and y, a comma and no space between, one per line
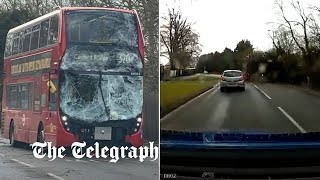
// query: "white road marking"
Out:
[93,160]
[219,114]
[23,163]
[1,155]
[55,176]
[189,102]
[261,91]
[78,160]
[292,120]
[216,85]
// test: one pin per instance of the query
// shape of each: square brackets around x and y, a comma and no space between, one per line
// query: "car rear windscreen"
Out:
[232,74]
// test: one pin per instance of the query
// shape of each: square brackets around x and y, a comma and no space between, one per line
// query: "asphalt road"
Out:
[260,108]
[19,163]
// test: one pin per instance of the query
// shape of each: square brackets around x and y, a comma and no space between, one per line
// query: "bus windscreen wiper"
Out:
[107,110]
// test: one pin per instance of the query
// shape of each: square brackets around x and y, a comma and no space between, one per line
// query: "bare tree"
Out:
[315,28]
[178,39]
[282,41]
[301,34]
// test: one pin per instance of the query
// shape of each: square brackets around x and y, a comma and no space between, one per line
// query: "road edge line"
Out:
[188,102]
[292,120]
[23,163]
[55,176]
[261,91]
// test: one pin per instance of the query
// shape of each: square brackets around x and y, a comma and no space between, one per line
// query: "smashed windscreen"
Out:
[101,27]
[99,83]
[101,70]
[94,97]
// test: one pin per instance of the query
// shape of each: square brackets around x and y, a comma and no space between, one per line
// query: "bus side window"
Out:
[53,33]
[26,40]
[44,33]
[21,42]
[25,98]
[8,45]
[15,46]
[35,37]
[13,94]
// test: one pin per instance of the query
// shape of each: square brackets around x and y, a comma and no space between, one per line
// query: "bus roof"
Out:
[100,8]
[34,21]
[64,9]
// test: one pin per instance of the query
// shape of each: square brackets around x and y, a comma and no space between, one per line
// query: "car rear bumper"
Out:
[232,84]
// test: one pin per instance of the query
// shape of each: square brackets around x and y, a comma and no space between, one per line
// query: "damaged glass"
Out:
[102,27]
[101,75]
[118,98]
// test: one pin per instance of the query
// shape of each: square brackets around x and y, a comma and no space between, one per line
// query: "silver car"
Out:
[232,79]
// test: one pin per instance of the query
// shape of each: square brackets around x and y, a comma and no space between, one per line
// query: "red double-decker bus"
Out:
[75,74]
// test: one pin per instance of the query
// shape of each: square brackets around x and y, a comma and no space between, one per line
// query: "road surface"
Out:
[260,108]
[19,163]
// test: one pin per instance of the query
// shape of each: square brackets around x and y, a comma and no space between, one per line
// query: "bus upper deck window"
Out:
[15,45]
[26,40]
[53,33]
[35,37]
[8,45]
[44,33]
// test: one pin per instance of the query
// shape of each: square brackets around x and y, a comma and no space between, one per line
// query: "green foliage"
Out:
[8,20]
[244,48]
[228,59]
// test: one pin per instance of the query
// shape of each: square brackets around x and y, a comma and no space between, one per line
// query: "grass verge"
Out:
[177,92]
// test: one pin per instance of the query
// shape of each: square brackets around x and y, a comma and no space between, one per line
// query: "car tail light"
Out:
[221,78]
[242,78]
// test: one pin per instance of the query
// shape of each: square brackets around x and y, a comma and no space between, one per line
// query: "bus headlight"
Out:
[139,119]
[66,123]
[138,124]
[64,118]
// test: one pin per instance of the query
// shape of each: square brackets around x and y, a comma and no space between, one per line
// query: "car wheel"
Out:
[40,134]
[11,135]
[222,89]
[243,89]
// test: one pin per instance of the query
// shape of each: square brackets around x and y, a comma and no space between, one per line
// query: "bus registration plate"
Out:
[102,133]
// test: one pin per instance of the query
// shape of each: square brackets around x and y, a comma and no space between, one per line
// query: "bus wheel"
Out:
[11,135]
[40,135]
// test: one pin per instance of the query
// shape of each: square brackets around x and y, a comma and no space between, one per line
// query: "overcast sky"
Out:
[223,23]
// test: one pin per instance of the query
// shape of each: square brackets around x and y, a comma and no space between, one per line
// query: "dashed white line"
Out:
[55,176]
[292,120]
[78,160]
[23,163]
[261,91]
[93,160]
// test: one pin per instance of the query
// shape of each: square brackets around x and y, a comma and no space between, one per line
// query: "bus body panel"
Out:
[26,122]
